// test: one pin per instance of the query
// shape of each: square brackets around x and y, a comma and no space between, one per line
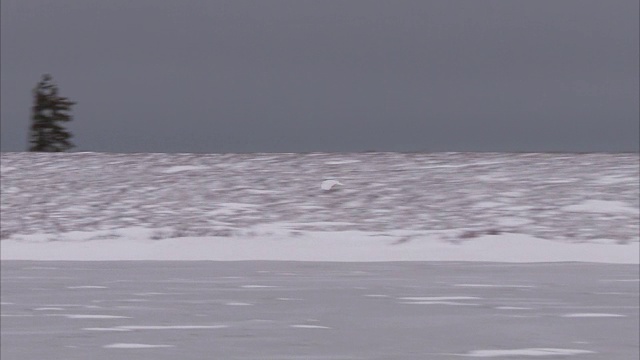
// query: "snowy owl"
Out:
[328,185]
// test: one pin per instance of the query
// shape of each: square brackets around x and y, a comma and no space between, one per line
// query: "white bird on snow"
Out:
[329,185]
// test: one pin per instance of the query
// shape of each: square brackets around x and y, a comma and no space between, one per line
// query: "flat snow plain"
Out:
[414,256]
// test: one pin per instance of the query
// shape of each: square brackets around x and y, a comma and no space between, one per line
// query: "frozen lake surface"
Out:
[310,310]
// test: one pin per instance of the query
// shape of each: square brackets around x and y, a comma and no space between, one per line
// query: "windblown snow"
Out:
[388,206]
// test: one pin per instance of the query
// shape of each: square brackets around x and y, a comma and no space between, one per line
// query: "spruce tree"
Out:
[48,112]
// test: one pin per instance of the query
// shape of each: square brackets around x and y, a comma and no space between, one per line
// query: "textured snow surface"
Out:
[526,352]
[587,315]
[276,243]
[318,310]
[447,206]
[134,346]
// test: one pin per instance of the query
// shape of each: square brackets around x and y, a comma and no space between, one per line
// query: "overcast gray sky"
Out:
[328,75]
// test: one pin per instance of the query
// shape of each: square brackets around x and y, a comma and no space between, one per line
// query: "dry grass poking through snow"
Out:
[570,197]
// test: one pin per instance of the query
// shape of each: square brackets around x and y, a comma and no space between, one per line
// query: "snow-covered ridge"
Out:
[406,199]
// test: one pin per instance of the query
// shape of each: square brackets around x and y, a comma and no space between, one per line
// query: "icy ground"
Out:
[389,206]
[310,311]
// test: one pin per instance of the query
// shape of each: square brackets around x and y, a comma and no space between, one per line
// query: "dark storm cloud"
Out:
[211,76]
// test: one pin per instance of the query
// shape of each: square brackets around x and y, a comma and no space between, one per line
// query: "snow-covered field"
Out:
[387,206]
[517,256]
[259,310]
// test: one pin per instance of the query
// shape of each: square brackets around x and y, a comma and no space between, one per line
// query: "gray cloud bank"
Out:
[280,76]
